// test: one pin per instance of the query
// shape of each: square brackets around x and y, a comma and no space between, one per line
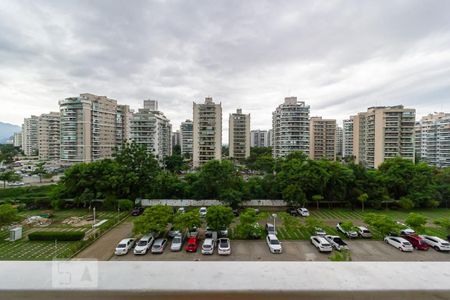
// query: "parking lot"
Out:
[361,250]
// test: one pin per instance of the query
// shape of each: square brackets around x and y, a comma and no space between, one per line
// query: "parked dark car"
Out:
[236,212]
[137,211]
[292,211]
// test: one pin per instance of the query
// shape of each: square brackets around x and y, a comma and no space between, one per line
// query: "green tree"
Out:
[40,170]
[347,225]
[317,199]
[174,163]
[444,223]
[188,220]
[219,217]
[248,227]
[343,255]
[231,197]
[125,204]
[294,195]
[416,221]
[7,153]
[406,203]
[363,199]
[154,219]
[9,176]
[8,214]
[312,223]
[382,223]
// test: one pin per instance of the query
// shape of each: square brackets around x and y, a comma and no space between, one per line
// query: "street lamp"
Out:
[274,216]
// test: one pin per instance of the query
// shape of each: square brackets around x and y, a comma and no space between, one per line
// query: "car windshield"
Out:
[121,246]
[191,245]
[224,243]
[366,231]
[326,245]
[407,243]
[176,240]
[157,245]
[142,243]
[445,244]
[207,246]
[274,242]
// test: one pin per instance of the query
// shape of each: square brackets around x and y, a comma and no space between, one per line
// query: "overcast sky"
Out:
[340,57]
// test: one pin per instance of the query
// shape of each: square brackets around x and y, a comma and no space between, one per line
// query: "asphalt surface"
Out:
[361,250]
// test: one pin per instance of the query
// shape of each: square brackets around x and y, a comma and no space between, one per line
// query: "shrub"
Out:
[56,235]
[125,204]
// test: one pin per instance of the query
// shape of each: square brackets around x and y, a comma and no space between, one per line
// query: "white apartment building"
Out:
[270,137]
[383,132]
[239,135]
[88,128]
[432,135]
[176,136]
[151,129]
[186,138]
[49,136]
[259,138]
[339,141]
[207,132]
[290,124]
[123,119]
[322,138]
[30,145]
[347,136]
[17,139]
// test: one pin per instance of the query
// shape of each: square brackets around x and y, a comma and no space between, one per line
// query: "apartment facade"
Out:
[176,138]
[339,141]
[30,145]
[322,138]
[270,137]
[88,128]
[239,135]
[207,132]
[347,137]
[49,136]
[383,132]
[259,138]
[123,119]
[290,124]
[186,138]
[17,139]
[432,138]
[152,130]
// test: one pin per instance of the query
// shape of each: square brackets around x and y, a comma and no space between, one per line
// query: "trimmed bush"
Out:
[56,235]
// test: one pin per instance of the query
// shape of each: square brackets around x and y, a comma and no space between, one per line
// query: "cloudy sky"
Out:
[339,56]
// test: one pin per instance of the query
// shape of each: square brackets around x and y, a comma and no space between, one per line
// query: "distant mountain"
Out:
[7,130]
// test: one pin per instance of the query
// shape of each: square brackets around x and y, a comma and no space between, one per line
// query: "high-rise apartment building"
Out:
[151,105]
[207,132]
[176,138]
[123,119]
[270,137]
[186,138]
[347,136]
[290,124]
[322,138]
[30,144]
[88,128]
[432,138]
[259,138]
[17,139]
[339,141]
[49,136]
[239,135]
[382,133]
[150,128]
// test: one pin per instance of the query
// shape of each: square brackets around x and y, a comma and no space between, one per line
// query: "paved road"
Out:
[361,250]
[103,248]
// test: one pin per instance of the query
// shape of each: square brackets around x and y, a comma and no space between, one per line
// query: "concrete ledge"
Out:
[230,280]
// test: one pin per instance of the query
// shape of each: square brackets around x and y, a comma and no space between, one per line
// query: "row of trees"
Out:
[134,173]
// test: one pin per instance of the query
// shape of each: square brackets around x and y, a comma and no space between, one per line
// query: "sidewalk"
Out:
[103,248]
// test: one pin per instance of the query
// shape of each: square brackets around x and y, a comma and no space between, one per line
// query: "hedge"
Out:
[56,235]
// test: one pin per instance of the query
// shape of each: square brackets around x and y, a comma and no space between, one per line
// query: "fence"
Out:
[199,203]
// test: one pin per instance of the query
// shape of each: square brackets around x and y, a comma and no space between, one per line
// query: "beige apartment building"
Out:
[30,145]
[49,136]
[88,128]
[123,119]
[186,138]
[239,135]
[383,132]
[322,138]
[347,137]
[207,132]
[290,124]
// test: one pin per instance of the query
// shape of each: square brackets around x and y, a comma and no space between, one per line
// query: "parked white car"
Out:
[319,231]
[336,242]
[274,244]
[363,232]
[436,242]
[208,246]
[177,243]
[224,246]
[350,234]
[143,245]
[124,246]
[181,210]
[303,212]
[407,231]
[203,211]
[321,243]
[399,243]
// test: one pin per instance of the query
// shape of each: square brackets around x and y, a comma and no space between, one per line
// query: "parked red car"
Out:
[416,241]
[192,244]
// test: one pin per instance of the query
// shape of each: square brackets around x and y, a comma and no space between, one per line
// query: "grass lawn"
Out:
[46,250]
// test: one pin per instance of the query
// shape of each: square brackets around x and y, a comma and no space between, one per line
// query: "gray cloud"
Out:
[339,56]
